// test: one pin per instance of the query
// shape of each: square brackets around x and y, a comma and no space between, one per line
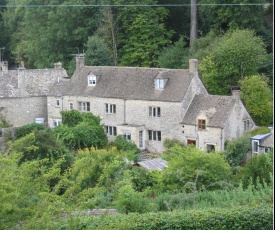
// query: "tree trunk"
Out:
[193,23]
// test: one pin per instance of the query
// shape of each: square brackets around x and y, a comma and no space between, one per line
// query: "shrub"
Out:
[258,168]
[128,147]
[237,149]
[26,129]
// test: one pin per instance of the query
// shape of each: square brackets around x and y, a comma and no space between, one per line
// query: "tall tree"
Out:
[108,29]
[237,54]
[42,40]
[193,24]
[257,97]
[143,33]
[231,15]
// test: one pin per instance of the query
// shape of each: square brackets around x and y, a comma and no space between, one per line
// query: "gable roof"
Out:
[216,108]
[131,83]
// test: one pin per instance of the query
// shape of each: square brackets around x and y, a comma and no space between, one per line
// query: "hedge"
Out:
[241,217]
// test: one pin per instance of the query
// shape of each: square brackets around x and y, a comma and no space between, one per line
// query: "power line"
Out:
[133,5]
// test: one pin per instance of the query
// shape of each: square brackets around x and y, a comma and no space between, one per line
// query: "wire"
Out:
[134,5]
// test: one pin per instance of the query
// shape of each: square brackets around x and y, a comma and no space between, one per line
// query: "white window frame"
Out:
[110,108]
[255,146]
[154,111]
[159,83]
[91,80]
[71,105]
[127,136]
[56,122]
[154,135]
[84,106]
[111,130]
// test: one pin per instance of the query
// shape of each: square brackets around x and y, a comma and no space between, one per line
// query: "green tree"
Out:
[28,128]
[239,15]
[258,99]
[237,54]
[237,149]
[143,34]
[71,118]
[128,147]
[259,169]
[175,56]
[42,40]
[41,144]
[97,53]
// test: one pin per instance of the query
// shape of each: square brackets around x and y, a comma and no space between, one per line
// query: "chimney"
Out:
[80,61]
[235,92]
[4,66]
[193,66]
[58,65]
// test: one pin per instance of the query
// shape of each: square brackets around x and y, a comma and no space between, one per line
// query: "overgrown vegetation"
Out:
[46,185]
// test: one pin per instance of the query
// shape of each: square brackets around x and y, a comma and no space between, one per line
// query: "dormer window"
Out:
[91,80]
[159,83]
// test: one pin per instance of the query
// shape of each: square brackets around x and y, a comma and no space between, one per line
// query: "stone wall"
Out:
[131,116]
[24,110]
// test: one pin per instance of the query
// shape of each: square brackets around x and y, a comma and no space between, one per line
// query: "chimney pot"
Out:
[193,66]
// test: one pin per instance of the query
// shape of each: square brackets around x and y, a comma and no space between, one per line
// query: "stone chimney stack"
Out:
[80,61]
[235,92]
[4,66]
[193,66]
[58,65]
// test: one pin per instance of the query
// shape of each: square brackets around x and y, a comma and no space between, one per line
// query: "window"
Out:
[255,146]
[246,125]
[210,148]
[154,111]
[57,103]
[83,106]
[154,135]
[127,136]
[201,124]
[110,108]
[159,83]
[56,122]
[91,80]
[110,130]
[191,142]
[71,106]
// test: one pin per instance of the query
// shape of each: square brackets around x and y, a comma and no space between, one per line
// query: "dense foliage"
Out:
[45,185]
[258,99]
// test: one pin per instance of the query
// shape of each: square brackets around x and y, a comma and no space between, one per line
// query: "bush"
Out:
[237,149]
[259,168]
[26,129]
[128,147]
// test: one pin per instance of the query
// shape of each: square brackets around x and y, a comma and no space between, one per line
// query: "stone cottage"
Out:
[145,105]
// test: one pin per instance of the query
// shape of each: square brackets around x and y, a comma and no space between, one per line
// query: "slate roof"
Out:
[153,164]
[265,139]
[38,82]
[131,83]
[216,108]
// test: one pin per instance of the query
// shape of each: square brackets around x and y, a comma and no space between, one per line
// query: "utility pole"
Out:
[0,53]
[193,23]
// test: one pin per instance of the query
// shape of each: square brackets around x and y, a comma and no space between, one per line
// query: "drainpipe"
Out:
[124,111]
[222,147]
